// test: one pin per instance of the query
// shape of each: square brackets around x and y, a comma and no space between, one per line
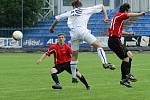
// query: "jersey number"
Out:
[76,12]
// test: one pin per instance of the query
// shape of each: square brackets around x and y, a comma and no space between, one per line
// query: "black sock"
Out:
[83,80]
[125,69]
[55,78]
[130,61]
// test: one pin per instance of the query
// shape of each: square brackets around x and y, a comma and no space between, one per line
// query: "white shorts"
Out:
[79,35]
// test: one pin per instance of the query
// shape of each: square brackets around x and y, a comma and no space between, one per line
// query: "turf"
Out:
[22,79]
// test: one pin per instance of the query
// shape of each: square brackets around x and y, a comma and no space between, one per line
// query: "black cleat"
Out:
[57,86]
[109,66]
[131,78]
[87,87]
[74,80]
[126,83]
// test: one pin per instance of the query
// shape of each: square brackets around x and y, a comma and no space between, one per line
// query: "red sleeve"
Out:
[50,50]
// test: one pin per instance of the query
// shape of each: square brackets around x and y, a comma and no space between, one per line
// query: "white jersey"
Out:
[77,22]
[79,17]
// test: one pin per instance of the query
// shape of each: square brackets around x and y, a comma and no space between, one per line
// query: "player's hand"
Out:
[143,13]
[106,20]
[131,34]
[51,30]
[39,61]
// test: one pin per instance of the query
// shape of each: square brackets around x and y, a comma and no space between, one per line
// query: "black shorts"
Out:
[64,66]
[116,46]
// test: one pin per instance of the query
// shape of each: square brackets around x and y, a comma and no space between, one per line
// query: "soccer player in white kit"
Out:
[77,22]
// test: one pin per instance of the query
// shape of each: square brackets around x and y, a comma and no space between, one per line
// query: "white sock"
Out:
[73,65]
[102,55]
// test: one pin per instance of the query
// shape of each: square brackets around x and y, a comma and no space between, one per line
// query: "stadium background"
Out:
[34,17]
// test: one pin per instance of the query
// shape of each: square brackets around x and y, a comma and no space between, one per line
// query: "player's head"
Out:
[76,4]
[124,8]
[61,38]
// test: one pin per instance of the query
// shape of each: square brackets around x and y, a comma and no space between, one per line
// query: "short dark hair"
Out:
[124,7]
[61,34]
[76,4]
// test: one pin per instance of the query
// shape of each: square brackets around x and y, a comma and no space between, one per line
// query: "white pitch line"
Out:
[22,90]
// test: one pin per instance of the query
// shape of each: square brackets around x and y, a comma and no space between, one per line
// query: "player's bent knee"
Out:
[96,44]
[78,74]
[126,59]
[75,55]
[130,55]
[53,70]
[73,62]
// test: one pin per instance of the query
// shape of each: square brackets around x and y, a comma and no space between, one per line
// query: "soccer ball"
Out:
[17,35]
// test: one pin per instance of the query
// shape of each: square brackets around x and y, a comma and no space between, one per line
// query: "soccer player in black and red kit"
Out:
[114,42]
[62,57]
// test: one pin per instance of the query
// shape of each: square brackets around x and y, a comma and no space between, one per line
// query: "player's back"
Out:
[79,18]
[117,24]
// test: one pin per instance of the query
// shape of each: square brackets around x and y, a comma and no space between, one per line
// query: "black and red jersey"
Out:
[117,22]
[62,53]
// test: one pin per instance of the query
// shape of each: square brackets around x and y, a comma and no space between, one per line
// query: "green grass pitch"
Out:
[22,79]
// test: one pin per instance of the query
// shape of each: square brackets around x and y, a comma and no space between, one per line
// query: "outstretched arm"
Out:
[136,14]
[104,14]
[53,26]
[41,58]
[59,17]
[127,33]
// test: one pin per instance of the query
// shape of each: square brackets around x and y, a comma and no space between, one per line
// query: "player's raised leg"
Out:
[95,43]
